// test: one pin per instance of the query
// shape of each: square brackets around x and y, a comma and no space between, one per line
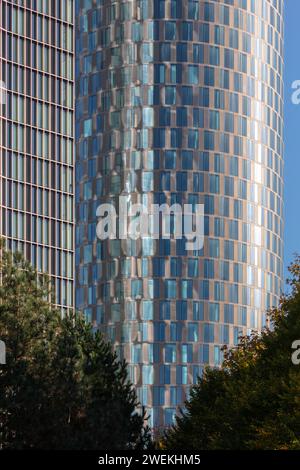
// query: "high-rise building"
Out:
[179,102]
[37,136]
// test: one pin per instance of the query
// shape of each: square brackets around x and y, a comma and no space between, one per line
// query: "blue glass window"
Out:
[224,334]
[175,396]
[219,35]
[242,316]
[197,372]
[170,288]
[214,119]
[165,184]
[187,288]
[147,374]
[193,267]
[164,116]
[204,97]
[193,138]
[198,53]
[170,30]
[181,181]
[159,9]
[193,74]
[187,353]
[159,137]
[176,8]
[158,396]
[181,310]
[176,73]
[165,51]
[181,375]
[198,117]
[187,95]
[214,184]
[181,52]
[187,160]
[209,76]
[164,374]
[209,140]
[214,312]
[176,267]
[170,159]
[164,310]
[214,55]
[209,333]
[209,12]
[209,204]
[217,356]
[176,331]
[159,331]
[193,334]
[170,353]
[181,117]
[198,182]
[204,32]
[170,415]
[193,9]
[187,31]
[159,73]
[87,128]
[176,138]
[170,95]
[228,58]
[228,313]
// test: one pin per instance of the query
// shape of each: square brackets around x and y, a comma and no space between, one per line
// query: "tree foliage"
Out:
[253,400]
[62,386]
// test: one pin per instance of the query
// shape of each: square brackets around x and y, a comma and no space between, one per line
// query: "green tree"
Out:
[253,400]
[62,386]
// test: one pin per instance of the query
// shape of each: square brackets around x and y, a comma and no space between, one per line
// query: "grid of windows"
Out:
[179,102]
[36,137]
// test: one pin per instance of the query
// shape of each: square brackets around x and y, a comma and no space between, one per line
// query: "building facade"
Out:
[36,138]
[179,102]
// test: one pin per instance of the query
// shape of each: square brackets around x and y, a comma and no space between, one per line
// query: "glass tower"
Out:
[179,102]
[36,137]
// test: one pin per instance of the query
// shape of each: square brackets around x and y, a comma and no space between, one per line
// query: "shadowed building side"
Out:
[37,137]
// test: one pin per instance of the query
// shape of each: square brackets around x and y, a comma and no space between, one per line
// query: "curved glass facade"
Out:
[179,102]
